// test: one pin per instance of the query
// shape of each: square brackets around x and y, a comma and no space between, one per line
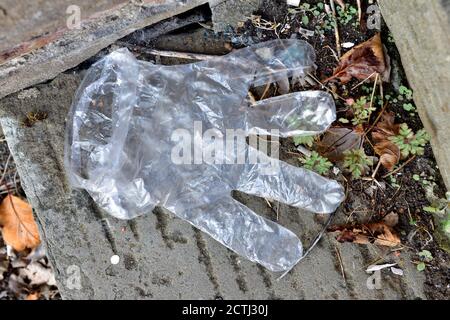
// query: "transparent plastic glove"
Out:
[130,120]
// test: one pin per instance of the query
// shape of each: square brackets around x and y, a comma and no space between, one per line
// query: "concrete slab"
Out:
[162,257]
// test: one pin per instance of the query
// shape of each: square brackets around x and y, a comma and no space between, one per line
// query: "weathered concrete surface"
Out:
[162,256]
[71,47]
[223,17]
[422,33]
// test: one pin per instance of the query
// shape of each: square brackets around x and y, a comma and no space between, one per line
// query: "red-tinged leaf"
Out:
[364,62]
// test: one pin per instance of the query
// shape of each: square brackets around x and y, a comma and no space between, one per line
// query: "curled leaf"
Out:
[388,151]
[389,154]
[338,140]
[19,229]
[364,62]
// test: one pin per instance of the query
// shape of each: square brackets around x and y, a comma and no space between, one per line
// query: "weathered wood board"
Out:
[421,29]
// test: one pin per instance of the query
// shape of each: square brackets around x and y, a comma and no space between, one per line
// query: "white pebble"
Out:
[115,259]
[348,45]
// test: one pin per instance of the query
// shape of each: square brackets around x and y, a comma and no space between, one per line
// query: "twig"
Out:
[373,91]
[400,168]
[268,203]
[174,54]
[313,244]
[266,89]
[336,29]
[377,119]
[340,263]
[358,3]
[334,53]
[362,82]
[325,87]
[252,98]
[5,169]
[278,209]
[376,169]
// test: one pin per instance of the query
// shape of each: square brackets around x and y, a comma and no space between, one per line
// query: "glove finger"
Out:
[295,114]
[246,233]
[277,180]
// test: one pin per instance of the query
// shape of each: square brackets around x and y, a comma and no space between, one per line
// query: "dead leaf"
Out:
[19,229]
[36,274]
[386,127]
[33,296]
[377,233]
[391,219]
[363,62]
[338,140]
[389,154]
[388,151]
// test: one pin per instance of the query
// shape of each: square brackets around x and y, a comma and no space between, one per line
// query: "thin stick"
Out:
[336,29]
[358,2]
[174,54]
[266,89]
[325,87]
[373,91]
[362,82]
[5,169]
[340,263]
[400,168]
[376,169]
[334,53]
[377,119]
[252,98]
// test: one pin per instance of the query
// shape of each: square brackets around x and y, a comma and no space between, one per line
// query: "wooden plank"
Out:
[68,48]
[421,29]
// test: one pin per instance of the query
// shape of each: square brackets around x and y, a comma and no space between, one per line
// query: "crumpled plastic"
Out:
[120,144]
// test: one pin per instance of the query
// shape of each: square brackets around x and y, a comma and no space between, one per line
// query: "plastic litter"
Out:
[120,143]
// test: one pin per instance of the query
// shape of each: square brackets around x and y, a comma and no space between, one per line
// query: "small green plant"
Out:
[408,107]
[346,16]
[421,266]
[439,207]
[317,163]
[410,143]
[425,256]
[405,93]
[361,111]
[304,140]
[356,162]
[391,38]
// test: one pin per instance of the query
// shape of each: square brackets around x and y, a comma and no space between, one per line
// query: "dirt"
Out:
[405,196]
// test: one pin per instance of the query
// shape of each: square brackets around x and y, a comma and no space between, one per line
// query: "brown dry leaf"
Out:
[389,154]
[363,62]
[19,229]
[377,233]
[338,140]
[387,150]
[33,296]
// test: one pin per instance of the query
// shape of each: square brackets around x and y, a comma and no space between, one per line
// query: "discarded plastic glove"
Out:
[142,135]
